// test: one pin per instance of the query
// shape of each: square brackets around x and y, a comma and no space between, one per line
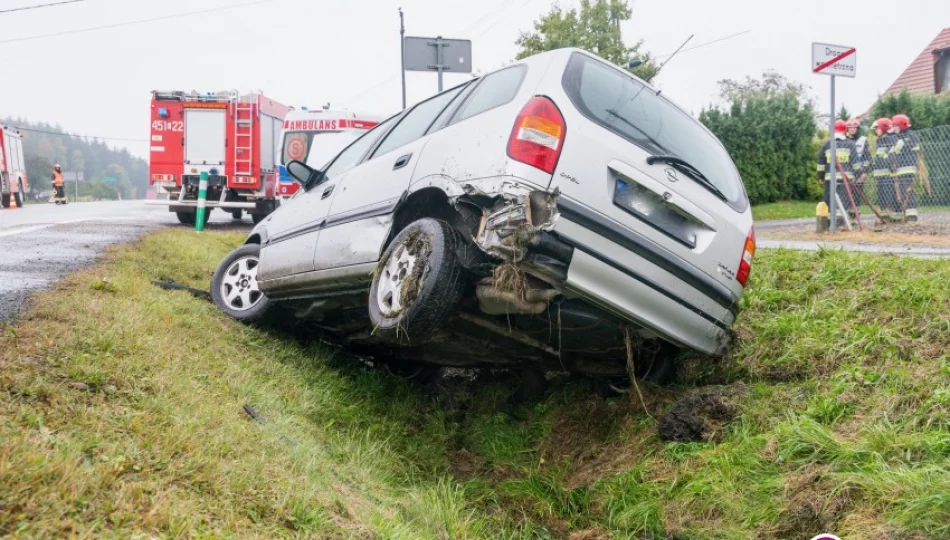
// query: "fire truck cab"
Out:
[315,137]
[230,136]
[12,167]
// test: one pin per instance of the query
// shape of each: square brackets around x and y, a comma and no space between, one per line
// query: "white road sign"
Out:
[837,60]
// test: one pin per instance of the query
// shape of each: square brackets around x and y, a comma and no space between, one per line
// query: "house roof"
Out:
[919,75]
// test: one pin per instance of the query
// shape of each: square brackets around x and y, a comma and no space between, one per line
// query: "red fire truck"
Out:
[230,136]
[12,167]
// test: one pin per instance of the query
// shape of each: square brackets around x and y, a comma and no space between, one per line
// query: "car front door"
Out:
[357,224]
[293,231]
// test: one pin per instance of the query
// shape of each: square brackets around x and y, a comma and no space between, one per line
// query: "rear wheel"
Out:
[19,195]
[418,282]
[190,218]
[257,218]
[237,214]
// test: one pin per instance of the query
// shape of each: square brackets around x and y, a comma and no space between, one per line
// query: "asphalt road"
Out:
[41,243]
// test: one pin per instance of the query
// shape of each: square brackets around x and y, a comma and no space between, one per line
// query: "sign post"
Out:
[437,54]
[202,201]
[827,59]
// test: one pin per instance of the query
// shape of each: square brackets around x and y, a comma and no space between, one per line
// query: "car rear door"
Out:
[669,221]
[356,227]
[293,230]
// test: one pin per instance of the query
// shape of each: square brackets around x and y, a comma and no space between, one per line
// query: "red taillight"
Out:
[745,264]
[538,135]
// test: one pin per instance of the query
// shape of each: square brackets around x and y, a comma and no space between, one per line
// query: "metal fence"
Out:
[899,194]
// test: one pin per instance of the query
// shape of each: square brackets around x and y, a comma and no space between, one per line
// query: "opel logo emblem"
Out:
[671,175]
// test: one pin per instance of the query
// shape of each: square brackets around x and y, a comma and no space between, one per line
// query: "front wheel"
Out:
[418,282]
[234,287]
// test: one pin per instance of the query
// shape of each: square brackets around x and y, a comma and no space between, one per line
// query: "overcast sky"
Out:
[309,52]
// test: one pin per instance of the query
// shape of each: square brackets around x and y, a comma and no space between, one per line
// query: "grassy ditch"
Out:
[121,412]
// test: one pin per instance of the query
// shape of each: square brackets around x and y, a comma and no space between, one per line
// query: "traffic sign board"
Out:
[110,179]
[828,59]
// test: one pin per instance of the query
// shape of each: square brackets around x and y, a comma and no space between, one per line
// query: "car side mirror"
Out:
[304,174]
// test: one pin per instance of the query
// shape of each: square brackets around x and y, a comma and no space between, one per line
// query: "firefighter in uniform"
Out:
[906,152]
[862,160]
[844,148]
[59,187]
[882,168]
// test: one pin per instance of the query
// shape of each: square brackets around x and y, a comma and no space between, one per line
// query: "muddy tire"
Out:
[234,288]
[417,284]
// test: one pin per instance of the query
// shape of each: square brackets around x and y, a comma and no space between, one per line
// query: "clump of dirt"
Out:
[814,504]
[417,244]
[509,278]
[698,417]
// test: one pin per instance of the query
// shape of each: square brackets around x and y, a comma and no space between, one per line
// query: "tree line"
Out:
[108,173]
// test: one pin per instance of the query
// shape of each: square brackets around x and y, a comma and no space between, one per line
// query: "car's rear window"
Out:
[624,105]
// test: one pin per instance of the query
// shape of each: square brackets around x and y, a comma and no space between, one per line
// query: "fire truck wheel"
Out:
[234,286]
[257,218]
[185,218]
[19,198]
[236,214]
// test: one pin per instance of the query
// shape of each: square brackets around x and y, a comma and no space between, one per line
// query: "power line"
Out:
[140,21]
[61,134]
[37,6]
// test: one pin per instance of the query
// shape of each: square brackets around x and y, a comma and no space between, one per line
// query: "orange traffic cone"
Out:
[12,201]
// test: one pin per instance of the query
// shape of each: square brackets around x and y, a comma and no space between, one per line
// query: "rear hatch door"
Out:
[615,123]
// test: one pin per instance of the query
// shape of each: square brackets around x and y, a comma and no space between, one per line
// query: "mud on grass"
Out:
[121,413]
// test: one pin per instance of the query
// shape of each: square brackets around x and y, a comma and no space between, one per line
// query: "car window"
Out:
[352,154]
[623,104]
[493,91]
[447,112]
[415,124]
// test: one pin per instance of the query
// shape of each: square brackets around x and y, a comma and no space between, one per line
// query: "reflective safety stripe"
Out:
[907,170]
[898,147]
[912,212]
[882,173]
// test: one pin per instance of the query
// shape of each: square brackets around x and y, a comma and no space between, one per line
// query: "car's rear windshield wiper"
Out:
[689,170]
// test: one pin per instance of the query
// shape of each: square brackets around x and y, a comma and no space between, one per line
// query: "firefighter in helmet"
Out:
[844,150]
[906,153]
[882,168]
[862,159]
[59,186]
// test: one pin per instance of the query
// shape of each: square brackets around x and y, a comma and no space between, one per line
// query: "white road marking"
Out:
[67,222]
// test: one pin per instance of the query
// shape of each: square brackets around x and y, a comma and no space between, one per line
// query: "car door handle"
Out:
[402,161]
[327,192]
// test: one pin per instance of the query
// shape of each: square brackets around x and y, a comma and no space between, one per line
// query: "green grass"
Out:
[121,414]
[784,210]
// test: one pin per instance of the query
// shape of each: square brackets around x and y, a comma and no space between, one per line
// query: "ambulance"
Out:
[315,137]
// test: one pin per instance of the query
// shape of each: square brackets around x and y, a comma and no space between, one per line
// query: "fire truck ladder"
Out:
[243,138]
